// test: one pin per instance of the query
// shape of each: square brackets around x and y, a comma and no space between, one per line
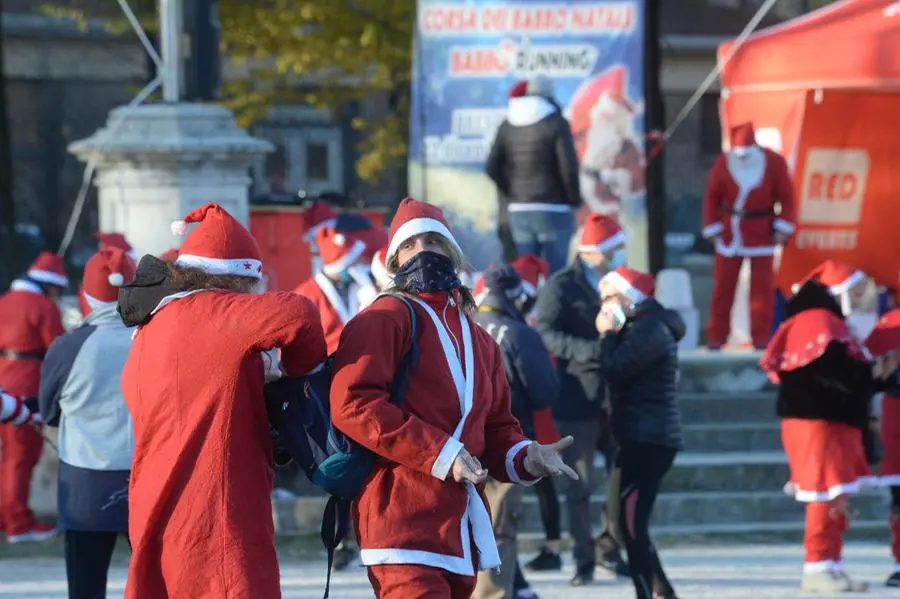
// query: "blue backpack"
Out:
[302,432]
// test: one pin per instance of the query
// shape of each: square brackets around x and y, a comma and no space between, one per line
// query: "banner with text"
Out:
[468,56]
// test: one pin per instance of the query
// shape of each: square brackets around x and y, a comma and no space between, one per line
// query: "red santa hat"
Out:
[116,240]
[635,285]
[337,250]
[534,271]
[742,136]
[48,268]
[600,234]
[219,245]
[104,273]
[839,277]
[415,218]
[519,90]
[379,269]
[169,255]
[318,215]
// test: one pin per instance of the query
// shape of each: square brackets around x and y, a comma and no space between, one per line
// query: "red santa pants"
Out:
[762,291]
[823,538]
[419,582]
[21,451]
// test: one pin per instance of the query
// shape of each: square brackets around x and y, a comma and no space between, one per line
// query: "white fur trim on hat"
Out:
[220,266]
[347,260]
[622,285]
[845,285]
[418,226]
[51,278]
[311,233]
[606,245]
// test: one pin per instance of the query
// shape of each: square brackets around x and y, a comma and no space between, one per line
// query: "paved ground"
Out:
[742,571]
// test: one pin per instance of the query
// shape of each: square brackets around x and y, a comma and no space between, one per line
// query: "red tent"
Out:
[824,90]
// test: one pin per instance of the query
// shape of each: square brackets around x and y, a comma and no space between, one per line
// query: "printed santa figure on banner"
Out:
[609,149]
[748,212]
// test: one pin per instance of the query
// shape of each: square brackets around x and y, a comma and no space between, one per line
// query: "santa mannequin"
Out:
[29,322]
[422,524]
[335,292]
[825,385]
[748,211]
[199,500]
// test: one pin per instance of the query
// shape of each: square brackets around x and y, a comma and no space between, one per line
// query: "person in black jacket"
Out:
[566,309]
[534,387]
[535,168]
[639,356]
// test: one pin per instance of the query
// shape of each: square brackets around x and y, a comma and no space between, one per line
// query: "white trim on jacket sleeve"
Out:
[712,230]
[511,456]
[444,461]
[783,226]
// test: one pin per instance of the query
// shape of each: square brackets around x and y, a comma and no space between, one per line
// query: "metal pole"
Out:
[169,33]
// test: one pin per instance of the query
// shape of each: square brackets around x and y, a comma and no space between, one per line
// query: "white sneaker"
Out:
[37,534]
[830,581]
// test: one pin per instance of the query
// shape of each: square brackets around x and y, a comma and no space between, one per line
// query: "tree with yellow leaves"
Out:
[320,53]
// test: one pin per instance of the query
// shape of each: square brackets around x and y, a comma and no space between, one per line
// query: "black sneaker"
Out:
[893,580]
[583,577]
[545,561]
[614,564]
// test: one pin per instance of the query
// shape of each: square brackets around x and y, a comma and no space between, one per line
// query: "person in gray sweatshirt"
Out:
[81,394]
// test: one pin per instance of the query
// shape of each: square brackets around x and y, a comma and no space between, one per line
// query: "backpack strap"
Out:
[411,358]
[335,522]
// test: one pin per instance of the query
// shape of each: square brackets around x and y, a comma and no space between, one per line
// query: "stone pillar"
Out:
[157,162]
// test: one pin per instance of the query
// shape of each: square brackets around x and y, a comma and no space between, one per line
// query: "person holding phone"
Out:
[639,357]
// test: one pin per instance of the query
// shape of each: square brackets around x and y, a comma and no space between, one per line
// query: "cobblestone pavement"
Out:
[739,571]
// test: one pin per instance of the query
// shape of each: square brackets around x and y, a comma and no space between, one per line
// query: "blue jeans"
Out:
[546,234]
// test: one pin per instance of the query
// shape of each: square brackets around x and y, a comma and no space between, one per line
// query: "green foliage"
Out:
[321,53]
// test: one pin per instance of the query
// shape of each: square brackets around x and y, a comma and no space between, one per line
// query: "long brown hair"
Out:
[467,299]
[189,278]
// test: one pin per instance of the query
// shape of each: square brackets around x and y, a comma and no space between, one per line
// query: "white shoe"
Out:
[39,534]
[830,581]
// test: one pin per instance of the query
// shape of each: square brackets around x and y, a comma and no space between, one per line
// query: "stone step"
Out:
[721,471]
[711,509]
[721,407]
[732,436]
[729,371]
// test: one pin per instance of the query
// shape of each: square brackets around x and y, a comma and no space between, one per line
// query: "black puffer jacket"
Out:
[533,159]
[640,363]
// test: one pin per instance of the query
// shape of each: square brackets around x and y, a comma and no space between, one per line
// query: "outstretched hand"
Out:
[546,460]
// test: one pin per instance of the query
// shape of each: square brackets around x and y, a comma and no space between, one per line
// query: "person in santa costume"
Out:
[116,240]
[200,518]
[29,322]
[421,517]
[81,393]
[16,412]
[316,216]
[335,292]
[825,386]
[884,344]
[748,211]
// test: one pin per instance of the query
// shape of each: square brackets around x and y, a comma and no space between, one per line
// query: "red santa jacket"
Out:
[740,201]
[411,511]
[29,322]
[333,310]
[200,513]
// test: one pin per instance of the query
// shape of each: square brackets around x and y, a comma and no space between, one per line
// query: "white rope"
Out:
[94,158]
[713,75]
[91,164]
[145,41]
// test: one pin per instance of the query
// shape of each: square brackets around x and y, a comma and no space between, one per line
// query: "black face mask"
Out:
[427,272]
